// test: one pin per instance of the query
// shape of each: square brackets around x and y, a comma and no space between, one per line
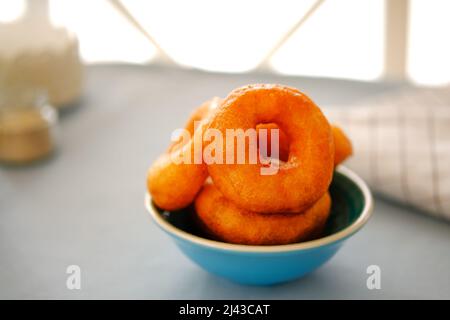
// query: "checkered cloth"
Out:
[402,146]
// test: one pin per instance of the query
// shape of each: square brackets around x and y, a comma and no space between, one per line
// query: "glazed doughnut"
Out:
[342,146]
[174,185]
[224,221]
[301,180]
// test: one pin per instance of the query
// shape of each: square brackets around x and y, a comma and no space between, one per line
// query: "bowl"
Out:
[266,265]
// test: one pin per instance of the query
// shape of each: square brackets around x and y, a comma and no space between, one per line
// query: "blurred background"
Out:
[214,35]
[90,92]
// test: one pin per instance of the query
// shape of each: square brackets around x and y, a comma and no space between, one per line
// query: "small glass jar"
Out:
[27,125]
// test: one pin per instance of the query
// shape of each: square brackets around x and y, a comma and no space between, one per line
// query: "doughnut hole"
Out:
[283,142]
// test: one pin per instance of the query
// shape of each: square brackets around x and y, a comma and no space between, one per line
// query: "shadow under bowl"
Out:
[265,265]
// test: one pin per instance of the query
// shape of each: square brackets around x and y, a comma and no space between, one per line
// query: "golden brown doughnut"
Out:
[301,180]
[174,185]
[342,146]
[224,221]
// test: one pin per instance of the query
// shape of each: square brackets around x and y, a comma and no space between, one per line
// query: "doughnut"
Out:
[303,178]
[174,186]
[342,146]
[222,220]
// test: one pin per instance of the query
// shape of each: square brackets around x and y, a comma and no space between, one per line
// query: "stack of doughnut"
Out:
[234,202]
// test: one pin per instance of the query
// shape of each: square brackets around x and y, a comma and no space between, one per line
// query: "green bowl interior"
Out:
[347,205]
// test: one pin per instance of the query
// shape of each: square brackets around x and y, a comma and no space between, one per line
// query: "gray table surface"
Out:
[84,206]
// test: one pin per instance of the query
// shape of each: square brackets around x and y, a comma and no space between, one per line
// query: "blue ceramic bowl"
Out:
[265,265]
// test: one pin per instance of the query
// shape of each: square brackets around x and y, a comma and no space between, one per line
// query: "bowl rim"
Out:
[333,238]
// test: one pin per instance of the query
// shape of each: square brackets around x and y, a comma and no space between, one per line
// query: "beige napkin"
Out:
[402,146]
